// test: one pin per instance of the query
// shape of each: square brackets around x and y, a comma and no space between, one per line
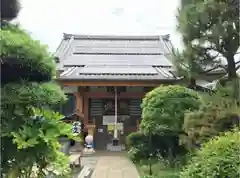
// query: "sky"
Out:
[47,20]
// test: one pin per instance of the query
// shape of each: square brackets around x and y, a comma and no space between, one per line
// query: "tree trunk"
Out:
[232,71]
[192,82]
[232,76]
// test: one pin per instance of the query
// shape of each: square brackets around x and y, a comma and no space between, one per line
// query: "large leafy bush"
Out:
[29,131]
[217,158]
[163,111]
[163,108]
[34,146]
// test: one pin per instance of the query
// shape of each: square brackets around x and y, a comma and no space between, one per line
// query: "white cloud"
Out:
[48,19]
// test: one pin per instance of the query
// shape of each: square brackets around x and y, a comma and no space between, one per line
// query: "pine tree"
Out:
[210,33]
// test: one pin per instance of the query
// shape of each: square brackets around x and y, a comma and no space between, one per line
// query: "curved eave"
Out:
[111,82]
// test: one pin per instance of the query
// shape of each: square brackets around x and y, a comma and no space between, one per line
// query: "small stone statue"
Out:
[89,143]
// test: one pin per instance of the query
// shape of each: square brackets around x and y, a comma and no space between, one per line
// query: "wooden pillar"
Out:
[80,107]
[86,110]
[79,104]
[81,99]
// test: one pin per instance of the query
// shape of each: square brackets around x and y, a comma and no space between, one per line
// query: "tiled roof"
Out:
[115,57]
[132,60]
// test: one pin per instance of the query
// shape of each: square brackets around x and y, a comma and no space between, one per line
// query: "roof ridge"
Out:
[117,66]
[117,37]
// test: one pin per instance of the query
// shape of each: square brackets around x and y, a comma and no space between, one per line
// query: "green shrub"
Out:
[138,153]
[218,158]
[164,107]
[136,138]
[139,148]
[219,114]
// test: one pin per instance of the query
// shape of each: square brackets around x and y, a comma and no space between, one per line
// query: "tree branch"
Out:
[218,66]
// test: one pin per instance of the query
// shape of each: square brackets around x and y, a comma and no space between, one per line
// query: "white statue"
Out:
[89,139]
[89,143]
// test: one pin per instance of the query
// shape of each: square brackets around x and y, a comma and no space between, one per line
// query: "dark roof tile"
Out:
[114,57]
[134,60]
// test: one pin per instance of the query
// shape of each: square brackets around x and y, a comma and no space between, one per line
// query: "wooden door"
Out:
[101,134]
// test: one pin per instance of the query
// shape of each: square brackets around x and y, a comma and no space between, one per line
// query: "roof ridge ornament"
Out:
[166,37]
[67,36]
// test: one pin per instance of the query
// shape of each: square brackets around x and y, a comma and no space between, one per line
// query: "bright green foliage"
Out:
[26,58]
[29,131]
[217,158]
[35,142]
[163,108]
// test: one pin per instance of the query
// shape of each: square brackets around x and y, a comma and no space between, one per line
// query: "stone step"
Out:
[85,172]
[111,147]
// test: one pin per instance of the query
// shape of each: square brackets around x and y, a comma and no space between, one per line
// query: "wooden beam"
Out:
[132,95]
[113,83]
[121,95]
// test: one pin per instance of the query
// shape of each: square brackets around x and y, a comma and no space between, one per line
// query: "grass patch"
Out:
[159,170]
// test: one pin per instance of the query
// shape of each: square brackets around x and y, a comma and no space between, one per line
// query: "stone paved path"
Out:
[114,165]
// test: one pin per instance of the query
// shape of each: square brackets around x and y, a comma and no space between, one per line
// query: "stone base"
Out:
[88,151]
[111,147]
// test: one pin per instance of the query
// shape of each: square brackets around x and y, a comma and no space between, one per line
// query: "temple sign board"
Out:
[110,119]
